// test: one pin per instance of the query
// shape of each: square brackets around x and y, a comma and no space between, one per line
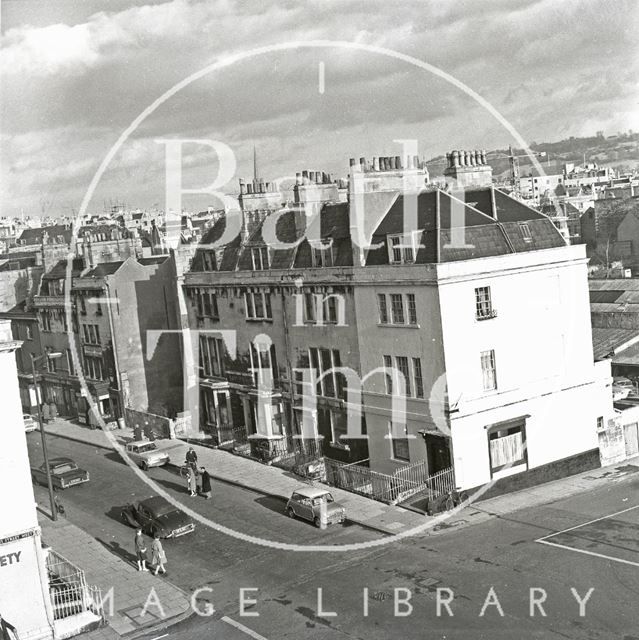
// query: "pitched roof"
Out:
[59,270]
[34,236]
[104,269]
[607,341]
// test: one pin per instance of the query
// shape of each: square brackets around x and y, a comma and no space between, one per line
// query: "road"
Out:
[500,560]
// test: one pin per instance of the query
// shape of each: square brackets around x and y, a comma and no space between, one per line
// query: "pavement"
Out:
[273,481]
[132,590]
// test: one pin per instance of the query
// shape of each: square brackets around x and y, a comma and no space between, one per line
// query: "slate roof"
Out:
[59,270]
[11,264]
[605,341]
[104,269]
[34,236]
[491,222]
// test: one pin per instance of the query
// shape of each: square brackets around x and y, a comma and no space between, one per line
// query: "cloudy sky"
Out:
[76,74]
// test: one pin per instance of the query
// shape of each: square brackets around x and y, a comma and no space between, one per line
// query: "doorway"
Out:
[631,437]
[437,452]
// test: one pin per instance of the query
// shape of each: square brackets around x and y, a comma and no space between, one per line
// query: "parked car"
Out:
[64,473]
[30,423]
[146,454]
[308,502]
[622,388]
[157,515]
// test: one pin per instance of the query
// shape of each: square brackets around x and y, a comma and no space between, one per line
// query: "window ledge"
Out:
[394,325]
[259,319]
[490,316]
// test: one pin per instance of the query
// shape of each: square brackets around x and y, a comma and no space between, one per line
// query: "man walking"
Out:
[206,483]
[191,458]
[140,550]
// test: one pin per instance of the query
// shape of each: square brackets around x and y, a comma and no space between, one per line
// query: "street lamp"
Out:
[47,356]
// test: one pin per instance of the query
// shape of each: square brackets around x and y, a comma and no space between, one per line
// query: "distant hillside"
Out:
[619,150]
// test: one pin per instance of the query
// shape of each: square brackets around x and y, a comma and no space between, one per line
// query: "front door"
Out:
[438,453]
[631,436]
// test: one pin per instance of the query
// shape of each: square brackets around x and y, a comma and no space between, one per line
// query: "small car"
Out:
[622,388]
[308,503]
[157,515]
[30,423]
[146,454]
[64,473]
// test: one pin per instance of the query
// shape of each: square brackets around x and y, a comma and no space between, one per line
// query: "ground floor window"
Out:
[399,445]
[507,445]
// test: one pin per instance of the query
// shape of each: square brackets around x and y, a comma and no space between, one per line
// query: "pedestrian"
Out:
[191,458]
[53,410]
[158,557]
[191,482]
[45,413]
[140,550]
[206,483]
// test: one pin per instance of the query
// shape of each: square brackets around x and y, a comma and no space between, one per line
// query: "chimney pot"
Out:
[398,162]
[351,162]
[375,163]
[298,178]
[416,162]
[249,188]
[362,162]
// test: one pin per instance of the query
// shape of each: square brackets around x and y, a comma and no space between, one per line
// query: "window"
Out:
[260,258]
[46,321]
[383,309]
[29,332]
[401,249]
[262,359]
[208,260]
[83,305]
[600,423]
[258,305]
[488,369]
[91,333]
[309,307]
[402,367]
[412,308]
[93,368]
[207,304]
[339,426]
[399,445]
[51,365]
[397,308]
[322,254]
[324,361]
[211,356]
[417,376]
[507,446]
[399,304]
[413,378]
[483,303]
[330,308]
[524,229]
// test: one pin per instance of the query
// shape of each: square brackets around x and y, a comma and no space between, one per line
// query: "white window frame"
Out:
[260,258]
[489,373]
[322,254]
[394,441]
[483,303]
[524,229]
[403,244]
[250,308]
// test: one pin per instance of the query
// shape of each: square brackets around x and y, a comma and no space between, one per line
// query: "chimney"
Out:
[242,186]
[398,162]
[249,188]
[298,178]
[375,163]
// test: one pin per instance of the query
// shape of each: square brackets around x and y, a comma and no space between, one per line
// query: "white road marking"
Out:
[588,553]
[158,637]
[241,627]
[544,539]
[583,524]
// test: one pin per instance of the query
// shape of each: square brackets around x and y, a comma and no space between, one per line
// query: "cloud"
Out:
[71,88]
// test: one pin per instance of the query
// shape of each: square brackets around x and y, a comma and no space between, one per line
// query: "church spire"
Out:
[255,175]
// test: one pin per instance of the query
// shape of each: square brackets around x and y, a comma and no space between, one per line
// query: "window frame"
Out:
[405,245]
[488,357]
[508,428]
[395,442]
[484,303]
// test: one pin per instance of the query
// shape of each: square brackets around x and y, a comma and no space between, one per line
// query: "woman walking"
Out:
[158,557]
[206,483]
[191,482]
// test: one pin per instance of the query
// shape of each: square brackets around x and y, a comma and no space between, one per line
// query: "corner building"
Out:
[481,308]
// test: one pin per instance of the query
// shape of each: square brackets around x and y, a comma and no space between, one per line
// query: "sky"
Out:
[74,75]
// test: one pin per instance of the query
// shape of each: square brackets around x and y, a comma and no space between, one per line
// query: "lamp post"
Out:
[34,359]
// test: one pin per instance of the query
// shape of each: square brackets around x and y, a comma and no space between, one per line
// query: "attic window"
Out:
[322,254]
[260,258]
[524,229]
[401,248]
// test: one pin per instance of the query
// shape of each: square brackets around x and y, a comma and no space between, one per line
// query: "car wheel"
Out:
[144,466]
[124,518]
[317,522]
[290,513]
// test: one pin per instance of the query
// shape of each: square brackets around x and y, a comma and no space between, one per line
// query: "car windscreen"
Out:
[143,448]
[63,468]
[164,509]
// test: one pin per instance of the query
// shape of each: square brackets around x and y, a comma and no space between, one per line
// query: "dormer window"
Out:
[402,248]
[524,229]
[260,258]
[208,260]
[322,254]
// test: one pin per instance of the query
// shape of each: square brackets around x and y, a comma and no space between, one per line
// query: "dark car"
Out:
[157,515]
[64,473]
